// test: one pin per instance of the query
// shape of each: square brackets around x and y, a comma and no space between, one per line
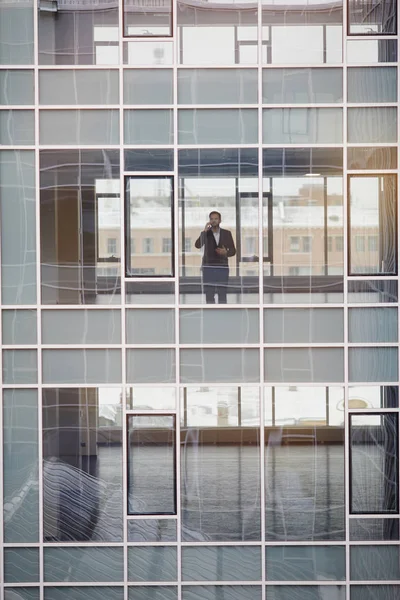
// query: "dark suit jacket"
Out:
[210,257]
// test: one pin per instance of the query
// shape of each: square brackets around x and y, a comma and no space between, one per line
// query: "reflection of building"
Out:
[154,447]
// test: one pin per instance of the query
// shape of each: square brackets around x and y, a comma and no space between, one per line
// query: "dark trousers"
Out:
[215,283]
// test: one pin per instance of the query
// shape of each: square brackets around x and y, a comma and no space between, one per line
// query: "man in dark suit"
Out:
[218,246]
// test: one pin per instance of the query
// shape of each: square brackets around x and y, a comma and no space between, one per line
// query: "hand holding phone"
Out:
[208,226]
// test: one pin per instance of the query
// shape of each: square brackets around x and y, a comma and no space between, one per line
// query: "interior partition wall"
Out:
[161,440]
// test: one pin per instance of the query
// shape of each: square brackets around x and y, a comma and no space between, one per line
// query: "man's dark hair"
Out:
[215,212]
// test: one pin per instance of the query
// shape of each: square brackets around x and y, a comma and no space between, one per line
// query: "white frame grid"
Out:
[176,306]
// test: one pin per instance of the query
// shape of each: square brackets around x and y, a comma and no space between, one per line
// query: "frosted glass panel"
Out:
[148,127]
[21,565]
[373,325]
[81,366]
[20,466]
[218,126]
[18,227]
[19,366]
[373,364]
[16,33]
[19,327]
[16,87]
[372,84]
[302,86]
[65,127]
[146,326]
[308,563]
[81,327]
[304,364]
[309,325]
[79,87]
[203,86]
[369,563]
[219,365]
[372,125]
[216,326]
[152,564]
[83,564]
[233,563]
[302,125]
[150,366]
[148,87]
[17,128]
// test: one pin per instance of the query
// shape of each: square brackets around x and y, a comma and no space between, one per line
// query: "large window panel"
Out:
[148,53]
[150,326]
[219,563]
[19,366]
[313,30]
[17,128]
[302,86]
[369,563]
[302,125]
[71,36]
[221,592]
[372,158]
[307,563]
[16,86]
[373,530]
[304,364]
[297,325]
[153,86]
[372,125]
[19,327]
[373,225]
[217,126]
[374,463]
[20,466]
[154,365]
[373,396]
[372,84]
[18,227]
[369,52]
[148,20]
[82,366]
[372,17]
[87,592]
[304,465]
[79,214]
[219,365]
[16,32]
[151,465]
[203,86]
[148,127]
[81,327]
[220,451]
[21,565]
[82,465]
[373,325]
[305,592]
[373,364]
[373,291]
[82,127]
[213,35]
[149,226]
[82,86]
[99,564]
[215,326]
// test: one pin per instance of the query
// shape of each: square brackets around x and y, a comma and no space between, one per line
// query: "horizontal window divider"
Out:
[374,516]
[369,65]
[375,543]
[19,346]
[216,146]
[370,144]
[17,67]
[153,412]
[12,545]
[371,411]
[220,583]
[129,67]
[4,107]
[83,584]
[335,582]
[303,146]
[150,306]
[216,106]
[372,104]
[375,383]
[280,306]
[372,172]
[149,279]
[306,105]
[28,584]
[373,344]
[217,346]
[105,67]
[78,107]
[76,544]
[369,277]
[147,174]
[17,148]
[81,385]
[149,38]
[79,147]
[266,65]
[82,346]
[148,106]
[215,66]
[151,544]
[152,583]
[370,36]
[288,345]
[219,306]
[388,582]
[20,386]
[257,544]
[151,517]
[324,384]
[44,307]
[148,147]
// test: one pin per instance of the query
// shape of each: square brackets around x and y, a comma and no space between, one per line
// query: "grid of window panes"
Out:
[156,445]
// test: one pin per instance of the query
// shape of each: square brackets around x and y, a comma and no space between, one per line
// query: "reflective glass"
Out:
[373,229]
[225,181]
[149,292]
[19,327]
[373,291]
[153,86]
[220,451]
[83,593]
[373,325]
[148,127]
[83,127]
[152,530]
[303,325]
[374,464]
[371,158]
[212,35]
[82,86]
[213,326]
[16,87]
[374,530]
[151,592]
[82,467]
[371,51]
[155,365]
[152,564]
[202,86]
[219,365]
[83,564]
[80,226]
[19,366]
[151,398]
[147,20]
[304,464]
[21,593]
[372,84]
[149,226]
[217,126]
[148,53]
[374,592]
[150,326]
[375,562]
[314,31]
[151,465]
[81,366]
[156,159]
[20,466]
[223,592]
[373,396]
[302,86]
[304,364]
[81,327]
[372,17]
[373,364]
[305,592]
[219,563]
[305,563]
[372,125]
[16,32]
[17,128]
[303,126]
[72,36]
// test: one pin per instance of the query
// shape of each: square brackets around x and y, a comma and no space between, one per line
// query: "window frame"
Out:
[369,35]
[128,36]
[129,267]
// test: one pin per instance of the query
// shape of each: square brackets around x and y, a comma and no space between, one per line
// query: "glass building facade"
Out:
[164,435]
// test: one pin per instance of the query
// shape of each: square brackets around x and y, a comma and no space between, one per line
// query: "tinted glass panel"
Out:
[19,366]
[78,87]
[83,564]
[149,160]
[152,564]
[147,20]
[152,530]
[372,158]
[217,126]
[218,326]
[296,325]
[232,563]
[372,125]
[374,529]
[148,127]
[371,51]
[81,366]
[302,86]
[81,327]
[373,325]
[85,127]
[375,562]
[202,86]
[219,365]
[156,365]
[149,326]
[19,327]
[16,87]
[304,364]
[148,87]
[224,592]
[372,17]
[374,592]
[17,128]
[302,125]
[372,84]
[373,364]
[306,563]
[305,592]
[16,33]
